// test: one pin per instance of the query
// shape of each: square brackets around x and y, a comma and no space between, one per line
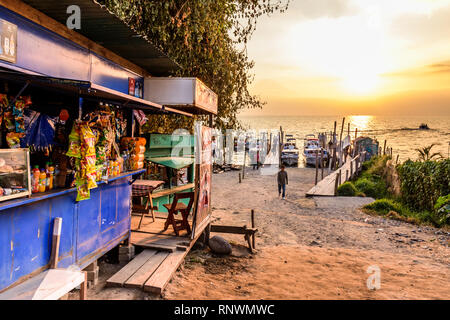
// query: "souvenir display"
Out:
[65,153]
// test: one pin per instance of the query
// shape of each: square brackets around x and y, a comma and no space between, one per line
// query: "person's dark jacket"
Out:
[282,177]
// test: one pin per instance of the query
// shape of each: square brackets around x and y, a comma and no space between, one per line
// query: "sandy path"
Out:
[312,248]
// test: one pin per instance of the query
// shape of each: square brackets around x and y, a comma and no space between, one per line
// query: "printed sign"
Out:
[204,149]
[131,86]
[8,41]
[205,97]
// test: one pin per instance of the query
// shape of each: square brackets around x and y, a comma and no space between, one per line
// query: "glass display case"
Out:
[15,179]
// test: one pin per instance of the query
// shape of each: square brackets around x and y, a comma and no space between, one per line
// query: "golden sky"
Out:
[354,56]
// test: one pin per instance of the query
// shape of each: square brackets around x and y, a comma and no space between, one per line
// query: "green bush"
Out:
[422,183]
[375,189]
[347,189]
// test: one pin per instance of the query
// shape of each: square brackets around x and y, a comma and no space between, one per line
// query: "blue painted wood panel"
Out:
[26,231]
[42,51]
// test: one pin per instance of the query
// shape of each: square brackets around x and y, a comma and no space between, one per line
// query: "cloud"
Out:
[423,29]
[442,67]
[313,9]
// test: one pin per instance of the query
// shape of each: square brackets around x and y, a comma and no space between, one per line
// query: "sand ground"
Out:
[316,248]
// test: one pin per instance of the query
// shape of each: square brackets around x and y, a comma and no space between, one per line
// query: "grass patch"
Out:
[393,209]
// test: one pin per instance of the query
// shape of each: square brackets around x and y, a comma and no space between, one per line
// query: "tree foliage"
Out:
[208,39]
[426,155]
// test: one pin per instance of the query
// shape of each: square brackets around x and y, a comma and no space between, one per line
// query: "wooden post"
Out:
[396,160]
[336,183]
[333,164]
[351,168]
[384,148]
[340,141]
[240,178]
[57,224]
[321,162]
[83,288]
[253,226]
[245,158]
[317,165]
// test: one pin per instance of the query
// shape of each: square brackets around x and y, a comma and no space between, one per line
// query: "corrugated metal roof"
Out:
[102,27]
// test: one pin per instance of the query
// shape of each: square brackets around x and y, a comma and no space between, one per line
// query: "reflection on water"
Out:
[401,133]
[360,122]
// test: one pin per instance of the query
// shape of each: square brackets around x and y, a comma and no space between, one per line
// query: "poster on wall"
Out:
[204,170]
[8,41]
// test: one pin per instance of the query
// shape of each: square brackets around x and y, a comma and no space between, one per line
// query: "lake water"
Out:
[401,133]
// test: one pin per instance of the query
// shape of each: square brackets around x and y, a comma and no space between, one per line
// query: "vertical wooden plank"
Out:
[83,288]
[57,225]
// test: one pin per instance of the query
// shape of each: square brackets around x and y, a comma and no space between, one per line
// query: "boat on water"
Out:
[424,126]
[290,153]
[311,146]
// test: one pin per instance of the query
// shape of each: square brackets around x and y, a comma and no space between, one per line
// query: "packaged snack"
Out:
[83,193]
[74,143]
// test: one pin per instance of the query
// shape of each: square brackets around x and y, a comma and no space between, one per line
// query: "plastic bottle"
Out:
[35,180]
[42,180]
[50,176]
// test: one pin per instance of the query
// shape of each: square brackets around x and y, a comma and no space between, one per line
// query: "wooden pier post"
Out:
[317,166]
[240,178]
[384,148]
[321,163]
[340,142]
[336,183]
[333,164]
[245,158]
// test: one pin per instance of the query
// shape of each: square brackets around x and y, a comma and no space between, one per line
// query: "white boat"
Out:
[311,147]
[290,153]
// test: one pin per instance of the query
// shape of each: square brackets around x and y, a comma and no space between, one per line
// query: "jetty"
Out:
[327,187]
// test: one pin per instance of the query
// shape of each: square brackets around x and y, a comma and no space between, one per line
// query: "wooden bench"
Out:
[249,233]
[51,284]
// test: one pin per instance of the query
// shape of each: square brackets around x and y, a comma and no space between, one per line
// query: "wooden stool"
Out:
[174,208]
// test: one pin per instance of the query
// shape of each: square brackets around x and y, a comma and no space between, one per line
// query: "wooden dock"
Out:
[327,187]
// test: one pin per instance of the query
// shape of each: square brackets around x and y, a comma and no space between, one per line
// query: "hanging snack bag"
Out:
[74,143]
[83,193]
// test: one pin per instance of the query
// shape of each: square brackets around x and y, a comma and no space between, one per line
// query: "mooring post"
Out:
[321,162]
[351,168]
[317,166]
[253,226]
[336,183]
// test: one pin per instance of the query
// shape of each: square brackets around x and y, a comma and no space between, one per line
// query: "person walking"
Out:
[282,179]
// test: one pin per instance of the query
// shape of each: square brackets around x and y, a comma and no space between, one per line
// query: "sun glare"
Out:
[360,83]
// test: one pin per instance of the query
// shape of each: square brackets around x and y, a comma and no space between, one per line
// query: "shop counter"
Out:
[90,228]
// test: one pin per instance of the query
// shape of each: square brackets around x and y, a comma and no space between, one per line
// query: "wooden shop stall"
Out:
[172,203]
[67,101]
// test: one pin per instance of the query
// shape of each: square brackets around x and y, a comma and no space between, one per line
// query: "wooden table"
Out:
[144,189]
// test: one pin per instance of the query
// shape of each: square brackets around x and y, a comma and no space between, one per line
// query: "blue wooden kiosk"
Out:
[49,56]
